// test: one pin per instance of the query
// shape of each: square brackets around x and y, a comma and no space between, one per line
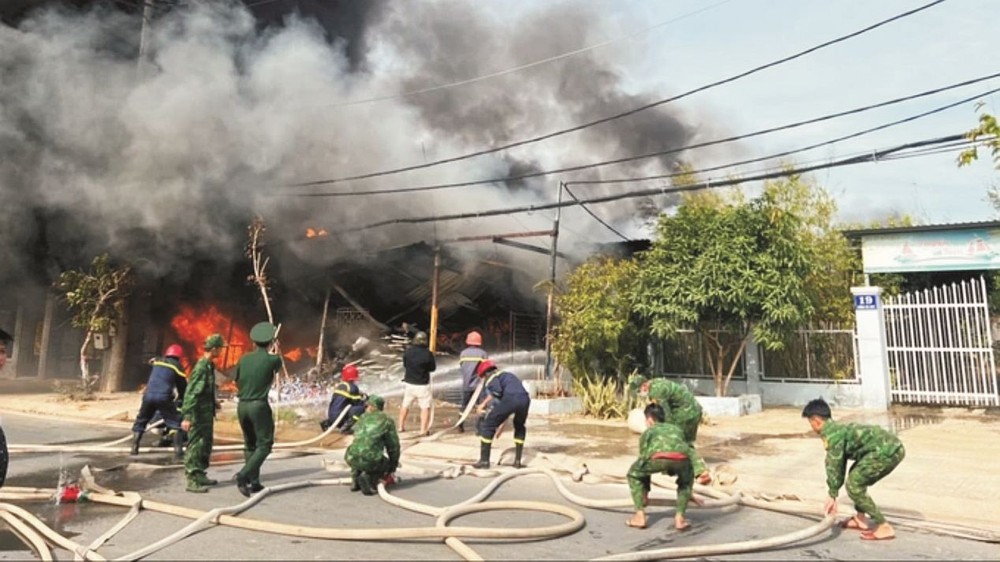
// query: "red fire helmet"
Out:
[349,373]
[474,338]
[485,367]
[174,351]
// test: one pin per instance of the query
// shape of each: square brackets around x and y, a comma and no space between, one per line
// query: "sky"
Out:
[948,43]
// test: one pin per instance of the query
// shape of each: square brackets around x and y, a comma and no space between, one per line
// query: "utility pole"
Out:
[552,284]
[147,16]
[436,281]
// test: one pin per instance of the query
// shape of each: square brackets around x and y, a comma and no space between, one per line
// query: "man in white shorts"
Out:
[418,363]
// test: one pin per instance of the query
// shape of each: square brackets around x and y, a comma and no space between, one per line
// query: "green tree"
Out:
[986,135]
[598,333]
[96,298]
[733,267]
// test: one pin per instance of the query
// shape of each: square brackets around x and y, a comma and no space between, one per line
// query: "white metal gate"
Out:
[941,347]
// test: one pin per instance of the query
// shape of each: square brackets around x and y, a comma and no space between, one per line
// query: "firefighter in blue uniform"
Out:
[166,381]
[345,396]
[506,396]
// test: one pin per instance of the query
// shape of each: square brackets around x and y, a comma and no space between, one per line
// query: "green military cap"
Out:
[214,341]
[376,401]
[635,383]
[262,332]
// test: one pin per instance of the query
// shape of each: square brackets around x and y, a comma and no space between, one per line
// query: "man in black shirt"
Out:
[418,362]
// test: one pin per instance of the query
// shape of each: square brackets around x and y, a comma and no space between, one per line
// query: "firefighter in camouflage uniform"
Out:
[663,448]
[374,453]
[875,452]
[198,414]
[681,409]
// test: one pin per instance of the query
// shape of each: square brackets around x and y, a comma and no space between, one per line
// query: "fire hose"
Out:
[37,535]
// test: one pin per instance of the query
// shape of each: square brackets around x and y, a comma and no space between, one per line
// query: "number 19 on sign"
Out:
[865,302]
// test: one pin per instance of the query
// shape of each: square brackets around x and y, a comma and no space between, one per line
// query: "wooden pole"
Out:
[322,330]
[434,299]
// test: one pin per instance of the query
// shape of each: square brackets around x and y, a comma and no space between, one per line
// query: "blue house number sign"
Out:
[865,302]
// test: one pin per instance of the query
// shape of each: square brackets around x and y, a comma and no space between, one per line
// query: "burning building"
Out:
[163,166]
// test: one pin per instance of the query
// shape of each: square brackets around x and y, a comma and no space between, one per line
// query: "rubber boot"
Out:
[365,483]
[136,438]
[178,445]
[325,424]
[518,449]
[484,456]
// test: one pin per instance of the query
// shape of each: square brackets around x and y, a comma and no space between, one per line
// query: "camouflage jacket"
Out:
[199,398]
[374,433]
[676,400]
[664,438]
[849,441]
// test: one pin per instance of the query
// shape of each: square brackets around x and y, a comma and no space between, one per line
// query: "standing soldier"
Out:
[470,358]
[662,448]
[374,453]
[682,409]
[166,380]
[254,376]
[418,362]
[346,395]
[875,452]
[508,397]
[198,413]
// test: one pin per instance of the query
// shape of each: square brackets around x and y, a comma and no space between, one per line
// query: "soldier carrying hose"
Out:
[681,409]
[374,453]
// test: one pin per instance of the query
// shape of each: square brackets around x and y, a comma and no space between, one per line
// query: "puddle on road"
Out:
[591,438]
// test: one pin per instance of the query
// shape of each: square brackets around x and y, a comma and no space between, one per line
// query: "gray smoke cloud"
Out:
[167,165]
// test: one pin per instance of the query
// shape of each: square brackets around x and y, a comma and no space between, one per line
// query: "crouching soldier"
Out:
[875,452]
[374,453]
[507,396]
[166,381]
[346,396]
[681,409]
[662,448]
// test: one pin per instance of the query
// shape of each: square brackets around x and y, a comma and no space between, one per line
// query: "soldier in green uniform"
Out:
[875,452]
[681,408]
[254,376]
[198,413]
[375,437]
[662,448]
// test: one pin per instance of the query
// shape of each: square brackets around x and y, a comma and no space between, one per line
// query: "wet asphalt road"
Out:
[334,506]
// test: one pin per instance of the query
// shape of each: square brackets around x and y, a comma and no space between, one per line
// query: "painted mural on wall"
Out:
[946,250]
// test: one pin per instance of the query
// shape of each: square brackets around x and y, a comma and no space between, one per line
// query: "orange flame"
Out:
[313,233]
[293,355]
[193,326]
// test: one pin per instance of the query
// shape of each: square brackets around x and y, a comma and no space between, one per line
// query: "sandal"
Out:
[629,523]
[870,536]
[853,523]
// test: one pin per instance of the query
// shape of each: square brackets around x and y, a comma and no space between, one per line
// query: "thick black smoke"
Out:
[165,166]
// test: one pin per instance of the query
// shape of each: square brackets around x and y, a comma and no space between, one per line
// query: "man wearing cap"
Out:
[254,376]
[166,380]
[198,413]
[470,358]
[346,396]
[374,453]
[507,396]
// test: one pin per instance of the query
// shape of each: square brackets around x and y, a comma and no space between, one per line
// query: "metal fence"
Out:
[685,354]
[814,355]
[940,346]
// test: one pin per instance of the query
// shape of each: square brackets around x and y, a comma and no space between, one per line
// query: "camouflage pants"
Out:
[374,469]
[866,471]
[689,422]
[640,476]
[199,447]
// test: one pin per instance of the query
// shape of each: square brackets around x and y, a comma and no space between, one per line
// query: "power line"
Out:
[854,160]
[625,113]
[524,66]
[797,150]
[581,167]
[591,213]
